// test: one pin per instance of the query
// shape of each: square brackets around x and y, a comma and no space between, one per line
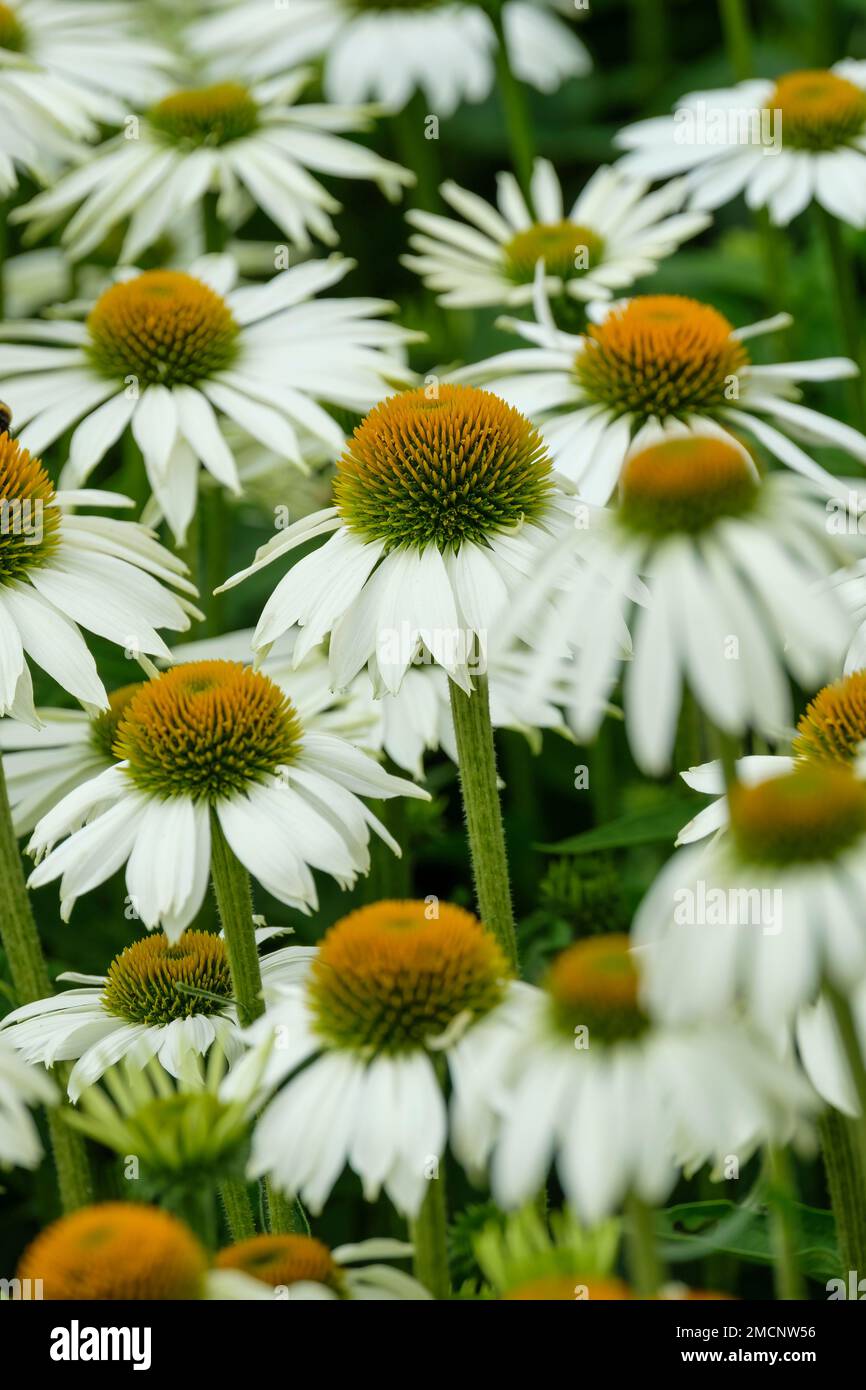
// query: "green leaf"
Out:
[693,1230]
[641,827]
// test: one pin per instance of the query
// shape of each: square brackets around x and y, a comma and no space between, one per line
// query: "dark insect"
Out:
[5,418]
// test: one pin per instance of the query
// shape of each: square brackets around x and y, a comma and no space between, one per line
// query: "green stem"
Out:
[515,107]
[784,1226]
[429,1233]
[215,230]
[31,981]
[215,561]
[235,906]
[847,302]
[737,30]
[644,1263]
[238,1209]
[846,1182]
[477,757]
[850,1041]
[650,42]
[417,140]
[285,1216]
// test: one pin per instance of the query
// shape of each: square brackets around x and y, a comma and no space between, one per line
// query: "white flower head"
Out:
[66,68]
[169,354]
[417,563]
[712,544]
[70,747]
[397,990]
[614,232]
[831,730]
[444,49]
[620,1103]
[254,146]
[205,743]
[652,360]
[783,144]
[169,1000]
[21,1086]
[765,914]
[59,568]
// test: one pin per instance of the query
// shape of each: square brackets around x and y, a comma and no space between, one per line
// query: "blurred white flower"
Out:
[444,49]
[254,147]
[783,143]
[765,914]
[823,1053]
[65,69]
[393,988]
[832,730]
[621,1103]
[613,233]
[716,546]
[21,1087]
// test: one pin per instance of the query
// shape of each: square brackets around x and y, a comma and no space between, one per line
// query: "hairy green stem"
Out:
[429,1233]
[285,1216]
[31,981]
[784,1225]
[643,1257]
[235,906]
[475,750]
[846,1183]
[238,1209]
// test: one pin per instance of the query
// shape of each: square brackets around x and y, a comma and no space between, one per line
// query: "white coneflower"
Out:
[423,555]
[304,1269]
[393,989]
[58,569]
[769,912]
[832,730]
[613,233]
[656,358]
[21,1087]
[169,353]
[445,49]
[783,143]
[254,146]
[212,752]
[159,998]
[618,1102]
[66,68]
[42,764]
[71,746]
[717,545]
